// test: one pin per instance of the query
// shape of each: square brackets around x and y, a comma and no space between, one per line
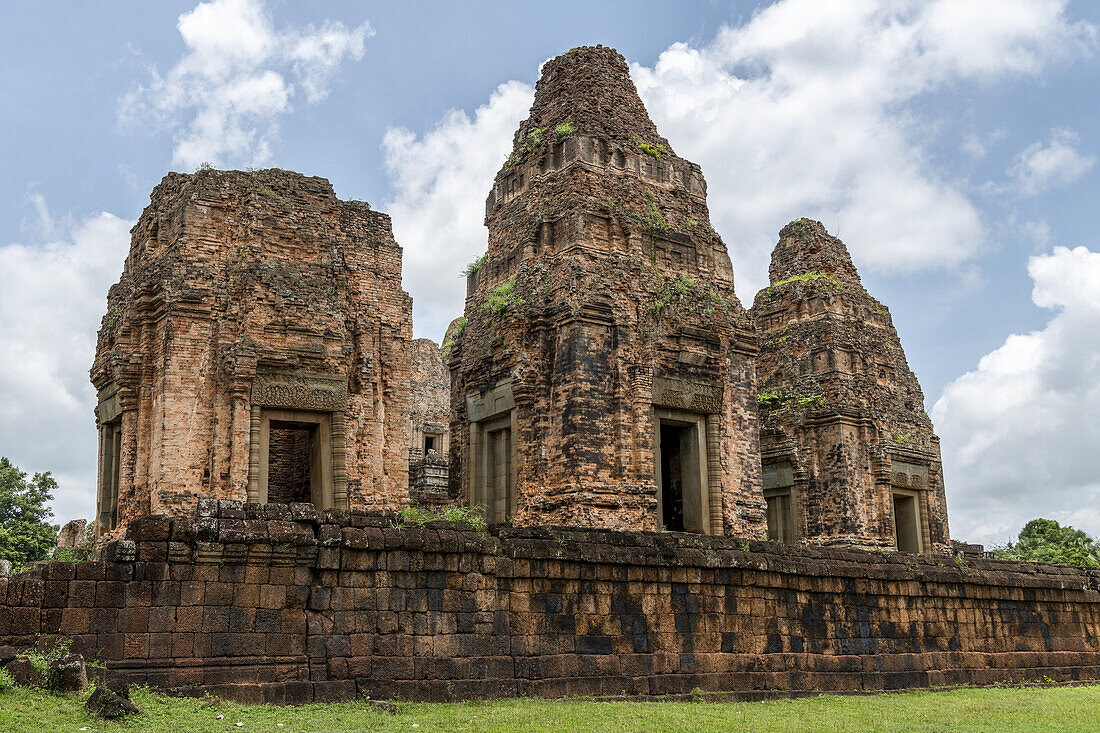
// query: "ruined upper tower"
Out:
[603,374]
[256,348]
[849,453]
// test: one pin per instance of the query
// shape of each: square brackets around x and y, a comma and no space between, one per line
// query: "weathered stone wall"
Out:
[842,419]
[280,604]
[605,303]
[248,289]
[429,415]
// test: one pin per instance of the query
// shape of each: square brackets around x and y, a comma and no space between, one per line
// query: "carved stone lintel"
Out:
[683,395]
[300,391]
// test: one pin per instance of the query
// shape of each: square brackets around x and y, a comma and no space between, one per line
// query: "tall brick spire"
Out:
[806,248]
[601,325]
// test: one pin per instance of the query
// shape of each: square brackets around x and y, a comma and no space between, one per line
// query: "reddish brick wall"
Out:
[275,603]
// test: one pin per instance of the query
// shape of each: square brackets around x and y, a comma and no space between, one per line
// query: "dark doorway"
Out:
[672,477]
[907,523]
[429,444]
[292,453]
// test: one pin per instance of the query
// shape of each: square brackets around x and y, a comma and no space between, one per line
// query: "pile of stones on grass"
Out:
[66,674]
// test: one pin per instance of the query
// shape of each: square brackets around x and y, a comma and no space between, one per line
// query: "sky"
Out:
[952,144]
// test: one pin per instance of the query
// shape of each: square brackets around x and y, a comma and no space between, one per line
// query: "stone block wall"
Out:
[282,604]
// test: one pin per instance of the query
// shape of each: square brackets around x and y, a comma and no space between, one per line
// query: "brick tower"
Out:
[603,375]
[849,454]
[255,348]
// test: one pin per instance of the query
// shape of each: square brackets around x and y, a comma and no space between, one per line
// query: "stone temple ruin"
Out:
[264,412]
[256,348]
[604,376]
[848,451]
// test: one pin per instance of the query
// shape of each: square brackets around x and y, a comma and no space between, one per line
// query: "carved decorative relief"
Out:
[683,395]
[300,391]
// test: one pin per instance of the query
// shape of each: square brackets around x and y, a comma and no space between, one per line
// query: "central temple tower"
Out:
[603,374]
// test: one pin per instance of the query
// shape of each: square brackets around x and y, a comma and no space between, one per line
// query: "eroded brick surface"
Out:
[604,297]
[429,423]
[269,603]
[232,275]
[840,410]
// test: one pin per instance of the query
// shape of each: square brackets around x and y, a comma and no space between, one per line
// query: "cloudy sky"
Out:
[951,143]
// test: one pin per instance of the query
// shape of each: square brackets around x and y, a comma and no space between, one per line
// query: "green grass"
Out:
[958,710]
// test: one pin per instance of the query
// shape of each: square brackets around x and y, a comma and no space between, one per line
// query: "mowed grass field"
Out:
[998,709]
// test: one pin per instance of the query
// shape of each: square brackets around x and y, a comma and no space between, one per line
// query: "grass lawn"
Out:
[990,709]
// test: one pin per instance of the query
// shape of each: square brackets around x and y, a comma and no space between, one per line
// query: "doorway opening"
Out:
[682,502]
[498,473]
[672,477]
[293,466]
[907,523]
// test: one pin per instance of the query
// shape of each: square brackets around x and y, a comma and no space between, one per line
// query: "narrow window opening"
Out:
[907,523]
[293,468]
[429,444]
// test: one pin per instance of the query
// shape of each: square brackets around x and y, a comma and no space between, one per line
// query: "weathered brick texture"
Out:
[282,604]
[605,298]
[232,276]
[841,413]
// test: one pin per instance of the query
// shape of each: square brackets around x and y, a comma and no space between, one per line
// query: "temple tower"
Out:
[256,348]
[603,374]
[849,453]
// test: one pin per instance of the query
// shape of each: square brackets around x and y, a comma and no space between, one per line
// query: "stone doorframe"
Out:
[313,399]
[700,404]
[488,411]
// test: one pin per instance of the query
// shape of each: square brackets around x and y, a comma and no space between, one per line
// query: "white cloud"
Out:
[50,308]
[224,97]
[1020,432]
[801,111]
[439,184]
[1040,166]
[978,146]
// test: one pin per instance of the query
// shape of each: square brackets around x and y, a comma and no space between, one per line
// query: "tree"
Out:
[25,536]
[1044,540]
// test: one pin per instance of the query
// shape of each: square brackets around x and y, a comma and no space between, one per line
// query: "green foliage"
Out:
[653,221]
[564,128]
[206,165]
[775,399]
[414,515]
[7,684]
[449,340]
[1044,540]
[654,151]
[42,659]
[809,277]
[770,399]
[1023,709]
[474,266]
[114,317]
[25,535]
[903,439]
[502,297]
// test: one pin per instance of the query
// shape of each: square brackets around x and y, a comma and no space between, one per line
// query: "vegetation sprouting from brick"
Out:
[777,399]
[415,515]
[686,293]
[473,267]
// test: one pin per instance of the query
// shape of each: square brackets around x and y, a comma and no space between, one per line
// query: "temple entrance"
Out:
[672,477]
[681,475]
[907,523]
[292,462]
[499,472]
